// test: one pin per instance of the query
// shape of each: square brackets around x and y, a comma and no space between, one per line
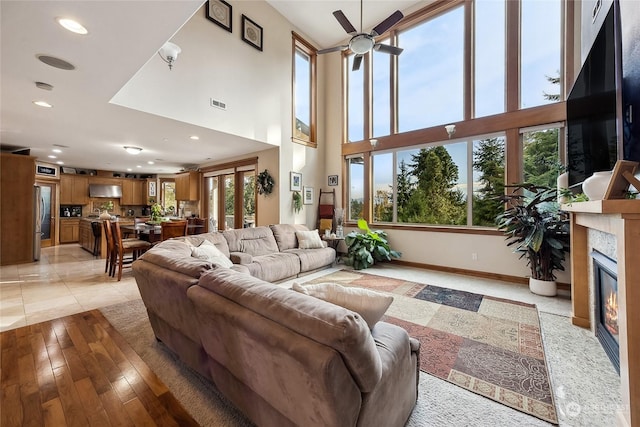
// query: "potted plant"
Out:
[297,201]
[534,223]
[365,249]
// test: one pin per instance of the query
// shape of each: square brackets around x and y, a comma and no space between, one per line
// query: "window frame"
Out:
[508,123]
[300,44]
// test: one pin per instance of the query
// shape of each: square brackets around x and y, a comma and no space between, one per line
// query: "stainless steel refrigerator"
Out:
[38,216]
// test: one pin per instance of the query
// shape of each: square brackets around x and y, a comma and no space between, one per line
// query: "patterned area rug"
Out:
[487,345]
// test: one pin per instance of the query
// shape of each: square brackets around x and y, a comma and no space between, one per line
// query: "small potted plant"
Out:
[297,201]
[534,224]
[365,249]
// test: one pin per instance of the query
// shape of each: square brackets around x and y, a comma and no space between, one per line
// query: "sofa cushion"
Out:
[216,238]
[176,255]
[329,324]
[313,259]
[371,305]
[209,252]
[275,266]
[254,241]
[285,235]
[309,239]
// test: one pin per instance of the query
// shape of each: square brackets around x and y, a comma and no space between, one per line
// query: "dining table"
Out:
[153,232]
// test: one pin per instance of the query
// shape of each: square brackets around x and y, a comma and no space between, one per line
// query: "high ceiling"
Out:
[123,38]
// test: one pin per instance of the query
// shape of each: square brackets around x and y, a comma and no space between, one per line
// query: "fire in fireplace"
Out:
[606,305]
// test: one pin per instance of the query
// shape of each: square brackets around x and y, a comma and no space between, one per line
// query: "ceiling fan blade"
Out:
[356,63]
[385,48]
[392,20]
[333,49]
[342,19]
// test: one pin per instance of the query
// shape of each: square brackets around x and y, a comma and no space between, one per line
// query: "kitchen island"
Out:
[86,238]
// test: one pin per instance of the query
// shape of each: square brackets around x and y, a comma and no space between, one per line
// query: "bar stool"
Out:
[97,237]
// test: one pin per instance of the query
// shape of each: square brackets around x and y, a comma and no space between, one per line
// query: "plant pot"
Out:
[547,288]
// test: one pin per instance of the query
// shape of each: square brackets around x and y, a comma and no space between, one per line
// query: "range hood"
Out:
[105,190]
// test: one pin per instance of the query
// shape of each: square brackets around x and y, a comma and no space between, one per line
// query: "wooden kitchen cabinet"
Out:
[133,192]
[74,190]
[17,176]
[69,230]
[187,186]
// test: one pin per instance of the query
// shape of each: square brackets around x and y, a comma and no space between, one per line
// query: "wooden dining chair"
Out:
[171,229]
[200,226]
[135,247]
[108,233]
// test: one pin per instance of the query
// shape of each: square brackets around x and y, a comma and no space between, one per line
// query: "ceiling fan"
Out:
[361,42]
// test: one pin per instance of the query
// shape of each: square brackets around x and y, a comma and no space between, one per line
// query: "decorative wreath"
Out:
[265,182]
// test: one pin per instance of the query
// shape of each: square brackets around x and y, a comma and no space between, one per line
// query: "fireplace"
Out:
[606,305]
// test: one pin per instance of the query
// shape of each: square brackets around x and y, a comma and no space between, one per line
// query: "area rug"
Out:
[489,346]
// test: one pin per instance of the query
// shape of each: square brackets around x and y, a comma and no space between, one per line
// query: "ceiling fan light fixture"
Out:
[361,44]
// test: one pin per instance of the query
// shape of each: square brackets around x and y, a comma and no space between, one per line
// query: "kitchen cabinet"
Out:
[85,237]
[187,186]
[74,190]
[69,230]
[133,192]
[17,177]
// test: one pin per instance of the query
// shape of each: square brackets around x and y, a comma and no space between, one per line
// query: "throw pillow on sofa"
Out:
[309,239]
[371,305]
[208,252]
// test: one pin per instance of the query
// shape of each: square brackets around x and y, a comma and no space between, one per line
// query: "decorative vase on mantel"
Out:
[105,214]
[596,185]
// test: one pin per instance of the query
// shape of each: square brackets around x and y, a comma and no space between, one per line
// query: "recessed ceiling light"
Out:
[57,150]
[51,156]
[150,162]
[43,104]
[128,169]
[60,162]
[52,61]
[194,137]
[44,86]
[133,150]
[71,25]
[138,166]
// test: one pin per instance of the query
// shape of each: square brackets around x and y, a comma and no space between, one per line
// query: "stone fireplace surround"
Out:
[613,228]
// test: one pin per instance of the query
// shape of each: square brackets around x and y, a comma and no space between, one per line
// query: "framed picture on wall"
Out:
[219,12]
[251,33]
[152,188]
[296,181]
[333,180]
[307,196]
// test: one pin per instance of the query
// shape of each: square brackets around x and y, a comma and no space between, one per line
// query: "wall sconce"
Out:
[169,53]
[373,142]
[451,129]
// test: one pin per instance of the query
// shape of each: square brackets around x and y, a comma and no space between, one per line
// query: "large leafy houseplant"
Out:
[365,249]
[534,224]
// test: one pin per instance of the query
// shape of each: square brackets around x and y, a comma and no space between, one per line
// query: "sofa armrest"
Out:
[241,258]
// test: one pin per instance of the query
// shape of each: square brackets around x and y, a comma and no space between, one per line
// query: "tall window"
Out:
[168,195]
[304,92]
[489,58]
[540,156]
[381,71]
[540,52]
[356,102]
[355,168]
[430,72]
[431,184]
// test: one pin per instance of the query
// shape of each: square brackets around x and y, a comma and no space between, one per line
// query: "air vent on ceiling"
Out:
[218,104]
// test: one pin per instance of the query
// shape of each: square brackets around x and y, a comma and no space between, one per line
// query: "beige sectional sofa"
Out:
[282,357]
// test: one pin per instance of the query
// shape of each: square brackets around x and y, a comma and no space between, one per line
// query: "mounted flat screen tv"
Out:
[592,138]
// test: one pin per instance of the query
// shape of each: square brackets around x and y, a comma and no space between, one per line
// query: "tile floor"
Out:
[68,280]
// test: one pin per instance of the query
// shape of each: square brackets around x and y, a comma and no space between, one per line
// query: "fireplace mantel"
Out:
[620,218]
